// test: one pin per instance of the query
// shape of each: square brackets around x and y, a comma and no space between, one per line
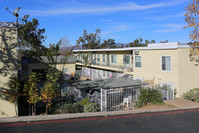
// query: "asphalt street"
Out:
[186,121]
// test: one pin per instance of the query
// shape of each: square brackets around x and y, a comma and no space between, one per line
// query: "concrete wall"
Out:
[8,66]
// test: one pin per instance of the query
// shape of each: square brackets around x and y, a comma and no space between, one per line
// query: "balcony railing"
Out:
[121,66]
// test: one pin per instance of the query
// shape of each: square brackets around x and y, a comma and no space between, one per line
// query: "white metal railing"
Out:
[123,98]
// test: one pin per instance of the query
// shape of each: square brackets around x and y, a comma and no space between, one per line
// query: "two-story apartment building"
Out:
[156,64]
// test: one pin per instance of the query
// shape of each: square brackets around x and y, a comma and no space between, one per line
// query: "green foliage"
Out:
[31,36]
[31,90]
[192,95]
[90,41]
[13,92]
[149,95]
[110,43]
[91,107]
[49,91]
[84,101]
[68,108]
[53,109]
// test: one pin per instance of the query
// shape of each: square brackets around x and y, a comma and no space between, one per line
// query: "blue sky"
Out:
[122,20]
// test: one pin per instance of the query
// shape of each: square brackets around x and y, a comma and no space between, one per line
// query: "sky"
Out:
[121,20]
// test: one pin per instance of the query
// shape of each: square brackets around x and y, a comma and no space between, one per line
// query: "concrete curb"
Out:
[28,119]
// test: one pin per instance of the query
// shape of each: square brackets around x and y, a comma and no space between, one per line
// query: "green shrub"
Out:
[91,107]
[69,108]
[57,104]
[192,95]
[149,95]
[84,101]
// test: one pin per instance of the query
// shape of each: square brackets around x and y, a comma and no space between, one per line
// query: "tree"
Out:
[146,41]
[136,42]
[31,90]
[110,43]
[49,91]
[13,92]
[90,41]
[131,44]
[140,40]
[191,17]
[152,41]
[31,36]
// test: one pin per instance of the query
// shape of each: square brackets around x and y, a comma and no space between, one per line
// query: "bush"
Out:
[149,95]
[56,104]
[69,108]
[84,101]
[91,107]
[192,95]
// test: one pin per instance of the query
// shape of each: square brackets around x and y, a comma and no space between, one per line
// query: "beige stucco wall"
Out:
[151,67]
[70,66]
[188,72]
[8,66]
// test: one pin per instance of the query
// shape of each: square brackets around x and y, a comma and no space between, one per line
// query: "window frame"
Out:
[138,62]
[166,70]
[98,57]
[113,55]
[126,60]
[103,58]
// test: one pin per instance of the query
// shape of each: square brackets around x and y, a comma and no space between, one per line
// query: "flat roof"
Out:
[120,82]
[154,46]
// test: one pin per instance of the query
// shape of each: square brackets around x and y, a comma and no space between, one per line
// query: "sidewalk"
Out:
[180,104]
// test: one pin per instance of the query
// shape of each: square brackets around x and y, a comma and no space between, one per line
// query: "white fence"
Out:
[94,74]
[123,98]
[117,99]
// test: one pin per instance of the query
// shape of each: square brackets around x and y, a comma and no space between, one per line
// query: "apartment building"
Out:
[160,63]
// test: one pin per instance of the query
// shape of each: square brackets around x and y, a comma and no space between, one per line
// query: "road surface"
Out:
[186,121]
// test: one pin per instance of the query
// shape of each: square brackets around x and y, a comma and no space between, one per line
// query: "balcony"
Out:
[108,66]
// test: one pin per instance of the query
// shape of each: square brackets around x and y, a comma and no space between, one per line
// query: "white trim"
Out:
[170,63]
[170,45]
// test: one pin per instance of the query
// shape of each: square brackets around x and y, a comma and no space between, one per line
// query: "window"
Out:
[166,63]
[104,73]
[98,58]
[126,59]
[138,61]
[113,59]
[104,58]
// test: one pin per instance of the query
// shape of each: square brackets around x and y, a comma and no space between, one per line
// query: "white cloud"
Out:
[170,28]
[165,17]
[77,8]
[113,30]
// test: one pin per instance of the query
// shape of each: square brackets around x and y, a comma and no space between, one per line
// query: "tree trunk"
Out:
[35,109]
[32,109]
[15,104]
[46,108]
